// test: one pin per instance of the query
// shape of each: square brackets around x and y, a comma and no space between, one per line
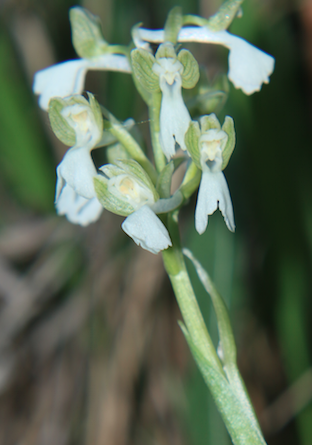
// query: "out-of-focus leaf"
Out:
[26,166]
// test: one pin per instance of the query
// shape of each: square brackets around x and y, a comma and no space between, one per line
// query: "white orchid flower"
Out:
[210,147]
[174,116]
[67,78]
[213,190]
[249,67]
[75,196]
[126,189]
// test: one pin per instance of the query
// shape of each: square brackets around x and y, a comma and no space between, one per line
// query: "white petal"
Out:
[146,230]
[249,67]
[67,78]
[213,193]
[60,80]
[174,117]
[77,209]
[77,170]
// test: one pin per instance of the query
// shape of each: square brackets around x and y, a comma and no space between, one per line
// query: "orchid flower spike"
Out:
[78,123]
[168,72]
[126,189]
[67,78]
[210,147]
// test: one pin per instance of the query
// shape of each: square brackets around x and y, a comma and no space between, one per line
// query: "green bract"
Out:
[116,151]
[163,185]
[207,123]
[224,16]
[96,110]
[221,20]
[87,36]
[173,25]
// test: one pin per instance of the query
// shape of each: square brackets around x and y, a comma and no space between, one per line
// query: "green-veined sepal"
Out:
[63,131]
[192,142]
[142,62]
[229,129]
[190,74]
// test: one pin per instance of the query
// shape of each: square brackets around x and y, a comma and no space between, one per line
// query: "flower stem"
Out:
[237,414]
[176,269]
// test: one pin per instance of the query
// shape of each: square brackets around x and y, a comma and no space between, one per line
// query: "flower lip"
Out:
[146,230]
[213,193]
[76,208]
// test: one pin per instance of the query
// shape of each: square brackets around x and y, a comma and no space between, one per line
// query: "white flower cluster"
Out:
[124,187]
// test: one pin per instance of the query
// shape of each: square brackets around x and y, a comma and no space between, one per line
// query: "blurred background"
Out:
[90,349]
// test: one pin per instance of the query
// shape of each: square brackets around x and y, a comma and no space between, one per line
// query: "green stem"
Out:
[235,409]
[176,269]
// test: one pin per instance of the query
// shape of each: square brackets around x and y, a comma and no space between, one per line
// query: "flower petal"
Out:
[174,117]
[60,80]
[67,78]
[213,193]
[146,230]
[77,170]
[78,210]
[249,67]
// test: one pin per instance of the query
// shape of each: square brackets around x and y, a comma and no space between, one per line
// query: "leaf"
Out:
[227,347]
[242,429]
[26,161]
